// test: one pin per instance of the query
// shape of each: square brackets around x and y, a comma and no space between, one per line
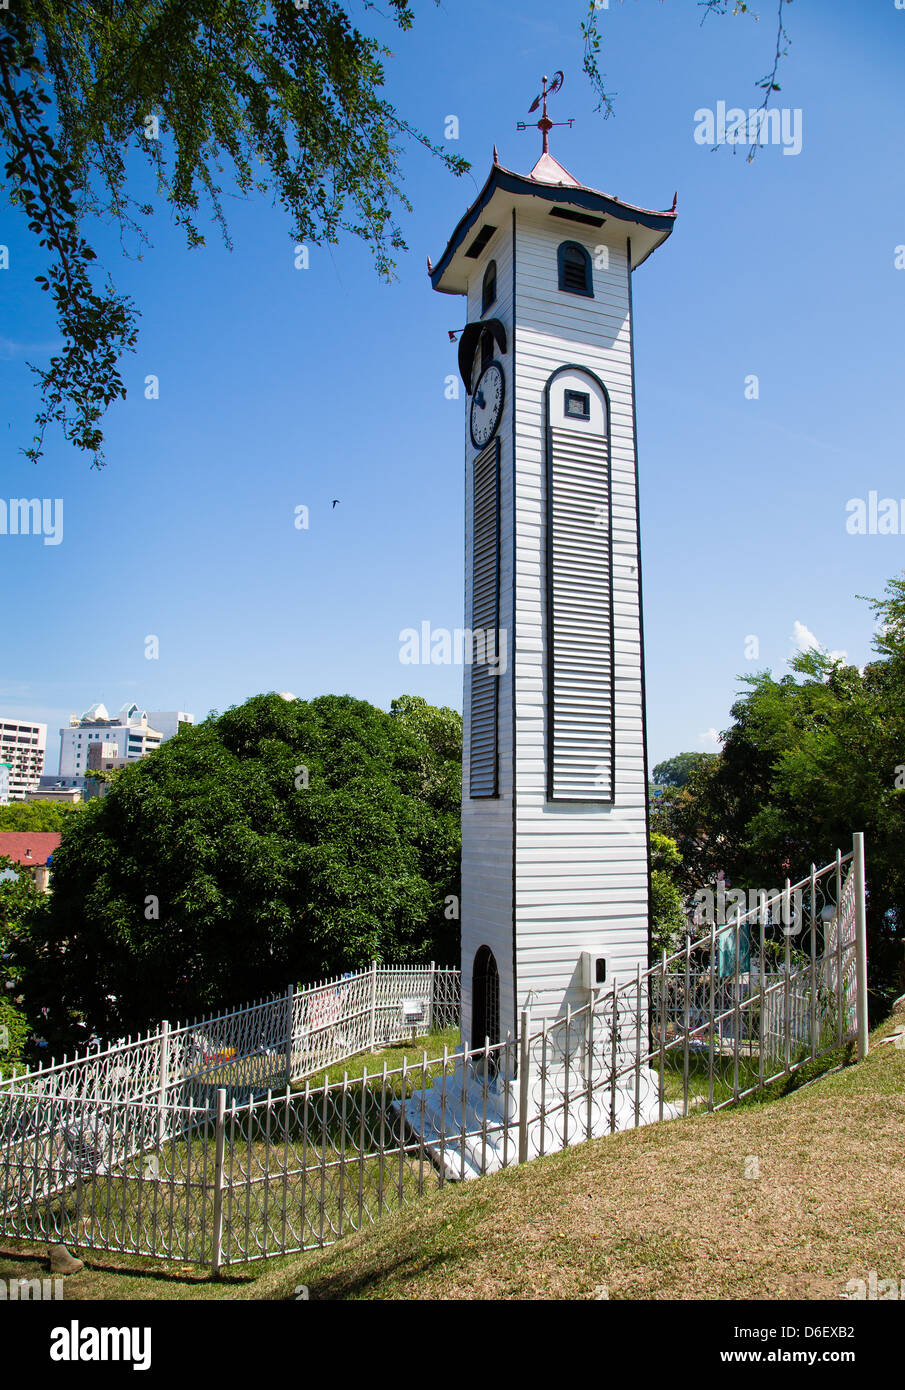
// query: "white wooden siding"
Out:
[581,869]
[487,840]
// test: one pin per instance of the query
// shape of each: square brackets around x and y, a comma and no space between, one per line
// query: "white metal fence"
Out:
[211,1159]
[260,1046]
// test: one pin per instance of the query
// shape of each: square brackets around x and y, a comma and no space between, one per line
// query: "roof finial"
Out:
[545,125]
[496,157]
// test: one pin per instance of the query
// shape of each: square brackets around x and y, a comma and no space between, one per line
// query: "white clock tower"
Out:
[555,869]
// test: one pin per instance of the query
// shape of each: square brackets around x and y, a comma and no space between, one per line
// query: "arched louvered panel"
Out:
[485,605]
[580,761]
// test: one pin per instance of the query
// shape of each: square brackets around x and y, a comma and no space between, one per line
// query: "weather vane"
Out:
[545,125]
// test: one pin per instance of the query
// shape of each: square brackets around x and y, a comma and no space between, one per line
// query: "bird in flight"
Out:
[335,500]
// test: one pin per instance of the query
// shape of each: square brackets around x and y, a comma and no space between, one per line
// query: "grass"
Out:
[304,1173]
[411,1052]
[670,1211]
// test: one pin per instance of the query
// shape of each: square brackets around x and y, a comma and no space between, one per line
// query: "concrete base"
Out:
[469,1131]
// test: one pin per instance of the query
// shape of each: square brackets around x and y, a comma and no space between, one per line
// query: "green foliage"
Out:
[22,909]
[211,873]
[280,99]
[675,772]
[51,816]
[667,911]
[810,758]
[97,326]
[590,33]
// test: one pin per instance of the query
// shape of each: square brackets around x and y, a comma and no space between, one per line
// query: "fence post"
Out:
[220,1149]
[372,1033]
[290,1021]
[786,992]
[860,941]
[164,1073]
[430,1013]
[523,1089]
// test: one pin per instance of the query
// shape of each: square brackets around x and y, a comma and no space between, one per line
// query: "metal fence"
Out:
[214,1176]
[261,1045]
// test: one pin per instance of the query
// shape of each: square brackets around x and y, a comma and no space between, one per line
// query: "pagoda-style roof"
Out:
[548,183]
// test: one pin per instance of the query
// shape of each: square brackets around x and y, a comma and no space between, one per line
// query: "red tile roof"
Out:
[31,847]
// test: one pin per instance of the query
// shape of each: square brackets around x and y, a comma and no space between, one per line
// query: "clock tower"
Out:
[555,869]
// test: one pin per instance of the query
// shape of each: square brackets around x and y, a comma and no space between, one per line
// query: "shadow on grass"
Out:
[151,1270]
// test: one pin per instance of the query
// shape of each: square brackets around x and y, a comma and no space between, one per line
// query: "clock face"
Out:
[487,405]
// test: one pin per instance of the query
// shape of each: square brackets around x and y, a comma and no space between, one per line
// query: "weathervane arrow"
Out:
[545,125]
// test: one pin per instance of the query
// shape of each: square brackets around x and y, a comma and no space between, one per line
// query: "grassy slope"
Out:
[661,1212]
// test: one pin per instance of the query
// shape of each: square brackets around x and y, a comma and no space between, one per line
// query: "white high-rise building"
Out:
[22,746]
[130,733]
[168,721]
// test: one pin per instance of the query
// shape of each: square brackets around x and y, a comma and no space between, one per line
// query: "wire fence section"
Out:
[201,1164]
[261,1045]
[91,1119]
[752,1000]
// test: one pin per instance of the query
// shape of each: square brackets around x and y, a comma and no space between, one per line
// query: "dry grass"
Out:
[665,1212]
[662,1212]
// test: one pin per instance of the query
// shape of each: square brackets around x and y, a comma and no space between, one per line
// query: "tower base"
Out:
[469,1126]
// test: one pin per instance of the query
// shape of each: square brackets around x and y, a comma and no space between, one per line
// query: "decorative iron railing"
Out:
[214,1168]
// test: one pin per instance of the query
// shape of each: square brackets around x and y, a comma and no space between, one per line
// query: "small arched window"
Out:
[488,289]
[485,999]
[575,269]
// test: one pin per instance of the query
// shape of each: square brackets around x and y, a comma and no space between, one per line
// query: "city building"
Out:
[22,747]
[87,786]
[167,721]
[126,737]
[5,770]
[55,791]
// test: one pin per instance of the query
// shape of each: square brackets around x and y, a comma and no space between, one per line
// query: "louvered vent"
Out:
[573,270]
[580,762]
[485,602]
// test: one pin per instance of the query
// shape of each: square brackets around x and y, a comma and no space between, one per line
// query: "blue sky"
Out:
[282,388]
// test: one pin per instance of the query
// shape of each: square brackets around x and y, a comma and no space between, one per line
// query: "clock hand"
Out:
[479,400]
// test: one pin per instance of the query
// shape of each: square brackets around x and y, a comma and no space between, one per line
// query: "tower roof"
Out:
[548,184]
[549,170]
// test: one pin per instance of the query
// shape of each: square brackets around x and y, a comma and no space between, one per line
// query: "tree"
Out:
[675,772]
[21,908]
[283,99]
[667,907]
[281,841]
[590,31]
[39,815]
[239,96]
[809,759]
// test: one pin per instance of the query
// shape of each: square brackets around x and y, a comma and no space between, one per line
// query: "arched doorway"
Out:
[485,998]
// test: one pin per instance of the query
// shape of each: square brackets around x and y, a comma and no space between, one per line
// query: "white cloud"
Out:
[710,737]
[9,348]
[804,640]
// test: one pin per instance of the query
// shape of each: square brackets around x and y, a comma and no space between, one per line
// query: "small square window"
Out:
[578,405]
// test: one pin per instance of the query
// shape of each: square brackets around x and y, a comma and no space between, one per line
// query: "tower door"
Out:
[485,999]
